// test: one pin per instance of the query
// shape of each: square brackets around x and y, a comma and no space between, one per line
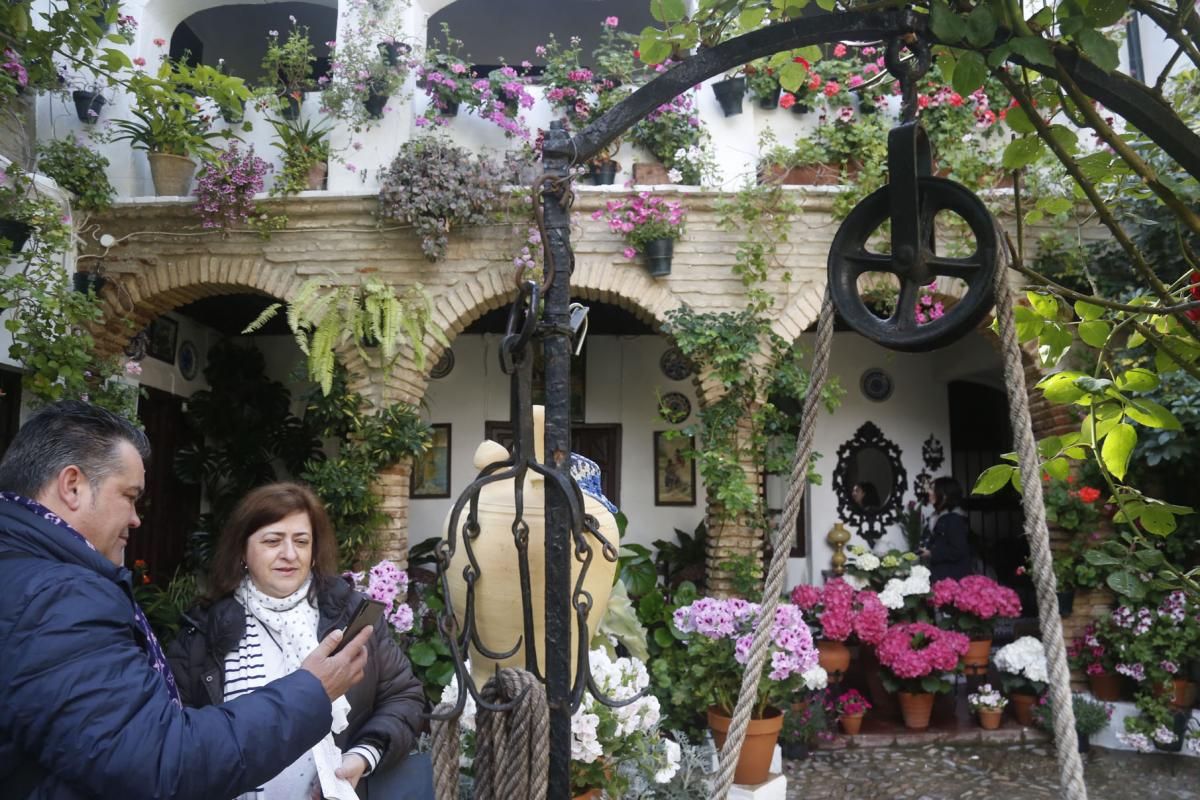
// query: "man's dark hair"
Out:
[66,433]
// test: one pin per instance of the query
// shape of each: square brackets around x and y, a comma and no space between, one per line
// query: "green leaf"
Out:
[1057,468]
[1099,558]
[1102,51]
[1087,310]
[1127,584]
[752,18]
[1095,332]
[1021,152]
[1138,379]
[1118,447]
[1044,304]
[1056,205]
[1029,324]
[993,479]
[1060,387]
[981,26]
[792,75]
[947,26]
[1033,49]
[1066,138]
[667,10]
[1102,13]
[652,47]
[1053,341]
[422,654]
[969,73]
[1157,520]
[1152,415]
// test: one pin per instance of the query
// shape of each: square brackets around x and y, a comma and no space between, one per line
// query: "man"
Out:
[88,707]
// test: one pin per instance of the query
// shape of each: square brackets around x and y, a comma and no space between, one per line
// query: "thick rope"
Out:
[512,749]
[1069,765]
[777,571]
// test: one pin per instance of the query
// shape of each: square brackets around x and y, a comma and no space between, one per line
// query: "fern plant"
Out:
[324,318]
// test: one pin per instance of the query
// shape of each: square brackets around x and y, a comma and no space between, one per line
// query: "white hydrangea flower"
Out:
[450,695]
[857,583]
[868,562]
[671,754]
[816,678]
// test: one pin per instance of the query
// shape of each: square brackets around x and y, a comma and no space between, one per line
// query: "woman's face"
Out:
[933,499]
[856,494]
[279,556]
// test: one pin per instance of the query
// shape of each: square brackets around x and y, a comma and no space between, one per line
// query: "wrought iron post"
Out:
[556,348]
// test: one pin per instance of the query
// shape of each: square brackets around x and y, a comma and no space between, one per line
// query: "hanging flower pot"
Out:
[316,175]
[172,174]
[291,105]
[658,256]
[801,108]
[448,108]
[769,101]
[88,105]
[1066,602]
[392,51]
[85,282]
[916,708]
[232,116]
[729,94]
[375,103]
[603,173]
[754,759]
[16,232]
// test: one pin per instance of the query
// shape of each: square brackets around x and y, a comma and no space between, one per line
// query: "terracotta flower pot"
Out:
[916,708]
[316,175]
[172,174]
[1179,693]
[975,662]
[652,174]
[590,794]
[1022,707]
[989,719]
[834,657]
[1105,686]
[851,723]
[754,759]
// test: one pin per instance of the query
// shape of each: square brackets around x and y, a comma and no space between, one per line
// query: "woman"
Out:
[274,594]
[865,496]
[948,552]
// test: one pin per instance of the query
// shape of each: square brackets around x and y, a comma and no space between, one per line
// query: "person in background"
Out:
[274,589]
[865,496]
[948,549]
[90,708]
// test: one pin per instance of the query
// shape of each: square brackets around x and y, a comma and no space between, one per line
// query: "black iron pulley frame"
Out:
[911,201]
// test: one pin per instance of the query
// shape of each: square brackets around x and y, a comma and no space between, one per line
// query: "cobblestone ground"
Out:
[1015,772]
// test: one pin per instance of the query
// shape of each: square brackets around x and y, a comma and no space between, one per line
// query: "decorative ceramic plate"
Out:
[675,365]
[443,366]
[189,363]
[674,407]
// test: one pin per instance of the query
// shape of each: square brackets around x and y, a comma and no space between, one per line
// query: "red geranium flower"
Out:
[1089,495]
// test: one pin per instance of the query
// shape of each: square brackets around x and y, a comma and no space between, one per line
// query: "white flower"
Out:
[1026,656]
[450,695]
[674,175]
[671,754]
[856,582]
[816,679]
[584,745]
[867,562]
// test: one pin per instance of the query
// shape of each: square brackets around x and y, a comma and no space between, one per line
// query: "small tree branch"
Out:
[1161,343]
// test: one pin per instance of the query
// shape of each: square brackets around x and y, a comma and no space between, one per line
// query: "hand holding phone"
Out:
[367,612]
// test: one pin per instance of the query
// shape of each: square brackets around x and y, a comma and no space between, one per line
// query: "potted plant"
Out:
[851,707]
[305,149]
[435,186]
[914,657]
[649,224]
[446,80]
[989,705]
[78,169]
[287,67]
[712,630]
[1093,654]
[762,83]
[674,134]
[836,613]
[502,97]
[971,605]
[167,121]
[368,65]
[22,211]
[802,724]
[1091,717]
[1152,643]
[1023,674]
[226,187]
[866,569]
[729,92]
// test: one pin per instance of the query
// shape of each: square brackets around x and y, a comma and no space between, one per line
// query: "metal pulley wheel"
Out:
[912,201]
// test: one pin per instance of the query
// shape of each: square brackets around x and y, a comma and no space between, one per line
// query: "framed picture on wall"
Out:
[674,470]
[163,332]
[431,470]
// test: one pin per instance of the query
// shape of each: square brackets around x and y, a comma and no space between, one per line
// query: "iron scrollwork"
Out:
[869,482]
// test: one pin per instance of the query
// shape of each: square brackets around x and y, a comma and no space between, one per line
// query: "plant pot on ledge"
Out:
[291,106]
[754,759]
[172,174]
[769,101]
[802,175]
[650,174]
[729,94]
[85,282]
[88,105]
[658,255]
[604,173]
[1105,686]
[316,176]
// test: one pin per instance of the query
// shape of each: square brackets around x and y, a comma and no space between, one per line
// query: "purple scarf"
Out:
[158,661]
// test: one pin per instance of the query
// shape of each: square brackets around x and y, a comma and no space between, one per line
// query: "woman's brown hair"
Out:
[259,508]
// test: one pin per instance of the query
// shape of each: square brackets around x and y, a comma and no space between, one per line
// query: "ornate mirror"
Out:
[869,482]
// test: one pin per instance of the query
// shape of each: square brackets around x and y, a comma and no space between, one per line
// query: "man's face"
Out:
[105,516]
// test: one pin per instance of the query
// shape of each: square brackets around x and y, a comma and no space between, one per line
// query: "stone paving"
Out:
[984,772]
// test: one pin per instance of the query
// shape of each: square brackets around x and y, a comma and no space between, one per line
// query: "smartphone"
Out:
[367,612]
